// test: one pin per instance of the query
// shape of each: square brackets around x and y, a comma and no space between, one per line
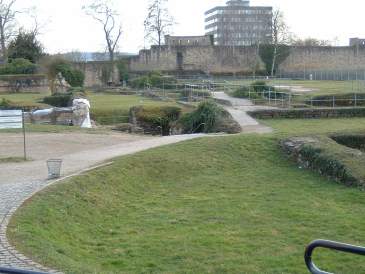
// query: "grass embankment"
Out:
[112,109]
[213,205]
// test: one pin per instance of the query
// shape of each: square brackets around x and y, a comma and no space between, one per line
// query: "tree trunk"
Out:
[2,42]
[111,59]
[274,60]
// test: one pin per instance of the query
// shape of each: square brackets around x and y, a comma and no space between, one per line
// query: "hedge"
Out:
[356,141]
[312,157]
[308,113]
[340,100]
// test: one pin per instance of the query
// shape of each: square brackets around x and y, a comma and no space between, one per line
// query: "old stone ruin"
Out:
[77,115]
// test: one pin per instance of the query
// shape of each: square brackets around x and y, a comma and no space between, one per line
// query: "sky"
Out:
[65,27]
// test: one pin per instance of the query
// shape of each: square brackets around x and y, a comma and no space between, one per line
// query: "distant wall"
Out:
[208,59]
[321,63]
[24,83]
[93,72]
[302,61]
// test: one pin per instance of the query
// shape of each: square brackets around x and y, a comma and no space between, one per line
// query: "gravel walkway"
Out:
[18,182]
[239,108]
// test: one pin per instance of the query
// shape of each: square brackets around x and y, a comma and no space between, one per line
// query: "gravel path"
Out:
[20,181]
[239,108]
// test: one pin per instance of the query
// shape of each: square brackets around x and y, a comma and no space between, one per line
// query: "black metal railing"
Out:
[328,245]
[4,270]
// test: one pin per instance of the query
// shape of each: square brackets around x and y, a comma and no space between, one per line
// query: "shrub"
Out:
[209,117]
[356,141]
[261,86]
[59,100]
[73,76]
[155,79]
[155,119]
[18,66]
[244,92]
[341,100]
[139,82]
[109,116]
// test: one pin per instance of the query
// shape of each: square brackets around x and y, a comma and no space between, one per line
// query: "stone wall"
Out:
[241,60]
[332,63]
[24,83]
[93,72]
[207,59]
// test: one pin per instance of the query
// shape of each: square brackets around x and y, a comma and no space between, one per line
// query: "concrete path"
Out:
[239,108]
[18,182]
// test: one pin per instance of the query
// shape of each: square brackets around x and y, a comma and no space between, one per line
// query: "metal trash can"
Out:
[54,168]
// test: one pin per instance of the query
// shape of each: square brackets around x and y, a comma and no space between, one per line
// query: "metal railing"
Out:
[328,245]
[4,270]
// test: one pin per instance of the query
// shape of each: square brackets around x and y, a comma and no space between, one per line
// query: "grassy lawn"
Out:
[211,205]
[25,99]
[11,160]
[319,87]
[300,127]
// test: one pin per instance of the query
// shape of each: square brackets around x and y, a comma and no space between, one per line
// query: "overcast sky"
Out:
[68,28]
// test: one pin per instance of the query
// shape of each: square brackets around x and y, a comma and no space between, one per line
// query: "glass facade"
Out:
[239,24]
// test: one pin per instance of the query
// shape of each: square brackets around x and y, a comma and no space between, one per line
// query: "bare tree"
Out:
[311,42]
[103,12]
[158,21]
[7,25]
[280,36]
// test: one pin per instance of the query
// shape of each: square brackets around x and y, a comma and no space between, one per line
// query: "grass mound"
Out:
[214,205]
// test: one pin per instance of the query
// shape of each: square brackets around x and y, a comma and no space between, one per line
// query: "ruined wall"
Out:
[324,58]
[24,83]
[220,59]
[93,72]
[333,63]
[208,59]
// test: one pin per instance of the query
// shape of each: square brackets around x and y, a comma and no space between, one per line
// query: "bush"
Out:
[139,82]
[355,141]
[341,100]
[73,76]
[59,100]
[155,79]
[209,117]
[244,92]
[109,116]
[18,66]
[155,119]
[261,86]
[317,160]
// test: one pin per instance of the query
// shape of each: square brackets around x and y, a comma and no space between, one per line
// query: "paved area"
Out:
[18,182]
[239,108]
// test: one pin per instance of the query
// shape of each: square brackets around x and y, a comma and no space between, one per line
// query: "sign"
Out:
[11,119]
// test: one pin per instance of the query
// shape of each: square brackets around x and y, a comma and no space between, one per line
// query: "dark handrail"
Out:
[5,270]
[329,245]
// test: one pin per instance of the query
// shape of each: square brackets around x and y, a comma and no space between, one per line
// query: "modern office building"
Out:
[239,24]
[357,42]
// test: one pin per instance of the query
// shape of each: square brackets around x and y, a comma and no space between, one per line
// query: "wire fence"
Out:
[283,94]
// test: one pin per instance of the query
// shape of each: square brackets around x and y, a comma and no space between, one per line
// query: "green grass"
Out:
[300,127]
[11,160]
[55,129]
[319,87]
[212,205]
[25,99]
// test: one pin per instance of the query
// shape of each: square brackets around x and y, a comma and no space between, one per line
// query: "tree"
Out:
[280,35]
[25,45]
[311,42]
[158,21]
[7,25]
[103,12]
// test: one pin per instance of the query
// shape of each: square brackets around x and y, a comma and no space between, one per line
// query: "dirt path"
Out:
[239,108]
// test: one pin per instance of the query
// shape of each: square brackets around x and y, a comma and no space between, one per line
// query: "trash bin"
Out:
[54,168]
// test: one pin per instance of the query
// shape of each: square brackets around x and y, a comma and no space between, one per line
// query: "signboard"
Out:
[11,119]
